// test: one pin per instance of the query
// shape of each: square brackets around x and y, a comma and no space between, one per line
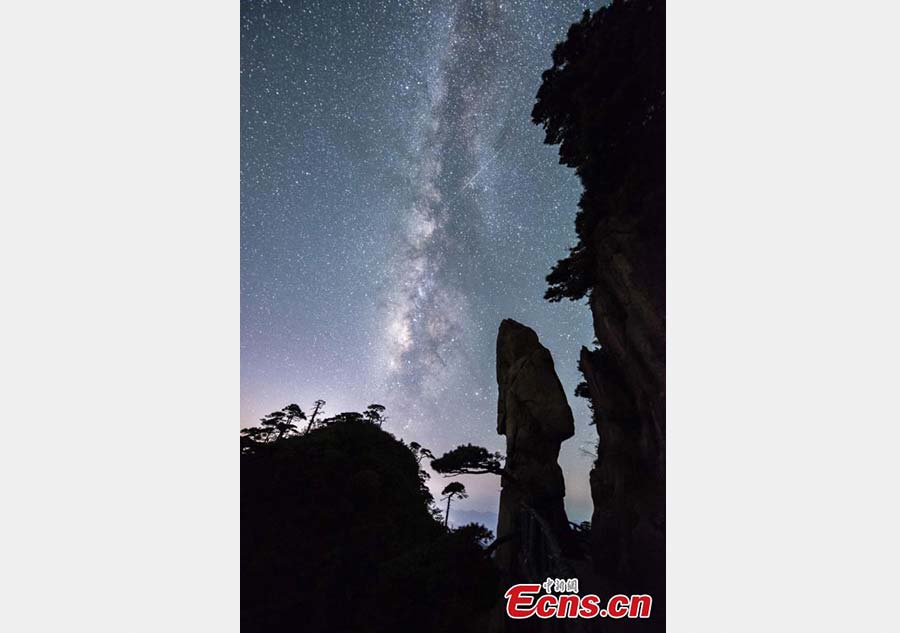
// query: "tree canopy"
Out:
[282,424]
[603,103]
[375,414]
[453,490]
[275,426]
[468,459]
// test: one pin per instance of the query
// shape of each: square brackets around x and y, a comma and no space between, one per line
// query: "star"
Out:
[396,205]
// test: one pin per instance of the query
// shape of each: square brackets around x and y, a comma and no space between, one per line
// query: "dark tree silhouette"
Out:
[475,532]
[453,490]
[603,102]
[420,452]
[345,417]
[287,424]
[275,426]
[317,408]
[251,437]
[374,413]
[469,459]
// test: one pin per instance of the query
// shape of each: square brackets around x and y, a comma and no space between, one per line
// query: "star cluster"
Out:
[396,205]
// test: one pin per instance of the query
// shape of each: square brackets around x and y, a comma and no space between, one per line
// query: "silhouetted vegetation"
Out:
[317,408]
[275,426]
[420,452]
[476,533]
[453,490]
[340,533]
[603,102]
[469,459]
[375,414]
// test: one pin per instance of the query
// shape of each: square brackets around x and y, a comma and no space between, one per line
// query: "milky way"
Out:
[428,310]
[396,205]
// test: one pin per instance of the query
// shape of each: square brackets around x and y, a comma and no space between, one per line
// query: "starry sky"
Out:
[396,204]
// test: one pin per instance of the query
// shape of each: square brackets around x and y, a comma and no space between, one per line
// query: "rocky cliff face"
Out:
[603,101]
[534,415]
[626,382]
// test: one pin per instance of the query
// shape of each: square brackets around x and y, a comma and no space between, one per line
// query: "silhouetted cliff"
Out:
[603,101]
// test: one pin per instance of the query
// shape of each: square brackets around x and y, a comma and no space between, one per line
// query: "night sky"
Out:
[396,204]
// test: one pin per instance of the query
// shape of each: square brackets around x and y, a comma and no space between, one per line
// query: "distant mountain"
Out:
[462,517]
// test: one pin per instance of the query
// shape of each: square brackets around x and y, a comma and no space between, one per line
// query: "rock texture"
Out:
[604,102]
[534,415]
[626,382]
